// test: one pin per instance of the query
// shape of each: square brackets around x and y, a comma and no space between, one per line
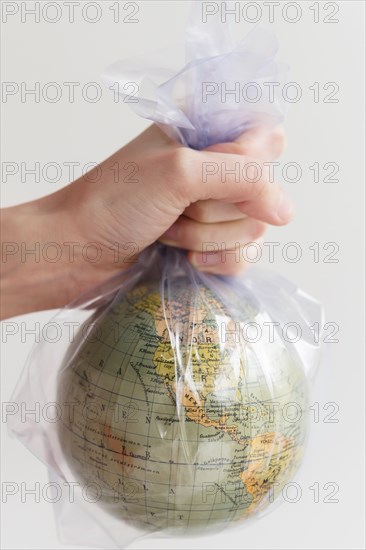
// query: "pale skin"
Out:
[169,202]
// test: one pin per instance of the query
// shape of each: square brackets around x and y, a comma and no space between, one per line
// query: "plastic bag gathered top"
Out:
[181,401]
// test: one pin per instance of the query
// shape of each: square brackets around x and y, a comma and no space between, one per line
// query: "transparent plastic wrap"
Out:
[221,90]
[172,401]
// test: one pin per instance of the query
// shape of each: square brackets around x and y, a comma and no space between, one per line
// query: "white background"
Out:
[326,212]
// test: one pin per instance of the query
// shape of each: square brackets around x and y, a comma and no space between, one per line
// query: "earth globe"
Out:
[181,419]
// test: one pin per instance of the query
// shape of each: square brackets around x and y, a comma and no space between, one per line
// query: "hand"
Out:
[167,198]
[227,227]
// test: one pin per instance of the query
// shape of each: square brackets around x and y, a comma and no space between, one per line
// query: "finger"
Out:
[219,262]
[191,235]
[234,179]
[212,211]
[223,261]
[263,143]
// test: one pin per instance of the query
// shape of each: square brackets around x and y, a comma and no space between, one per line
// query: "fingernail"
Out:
[206,258]
[285,207]
[171,234]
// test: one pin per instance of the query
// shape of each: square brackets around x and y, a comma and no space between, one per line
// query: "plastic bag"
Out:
[179,405]
[223,89]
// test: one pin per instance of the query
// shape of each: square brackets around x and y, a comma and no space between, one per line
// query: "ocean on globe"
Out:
[179,419]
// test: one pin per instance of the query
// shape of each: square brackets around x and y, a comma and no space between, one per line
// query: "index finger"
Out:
[240,180]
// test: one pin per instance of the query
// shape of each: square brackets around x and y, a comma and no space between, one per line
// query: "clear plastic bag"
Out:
[173,401]
[222,90]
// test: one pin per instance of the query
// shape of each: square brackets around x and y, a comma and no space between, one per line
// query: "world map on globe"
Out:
[176,422]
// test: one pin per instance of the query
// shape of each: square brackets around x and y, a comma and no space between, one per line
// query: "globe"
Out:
[180,417]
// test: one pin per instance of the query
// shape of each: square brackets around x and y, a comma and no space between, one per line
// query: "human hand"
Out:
[167,198]
[170,201]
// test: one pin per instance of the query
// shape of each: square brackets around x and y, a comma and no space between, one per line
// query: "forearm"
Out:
[34,274]
[45,263]
[45,243]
